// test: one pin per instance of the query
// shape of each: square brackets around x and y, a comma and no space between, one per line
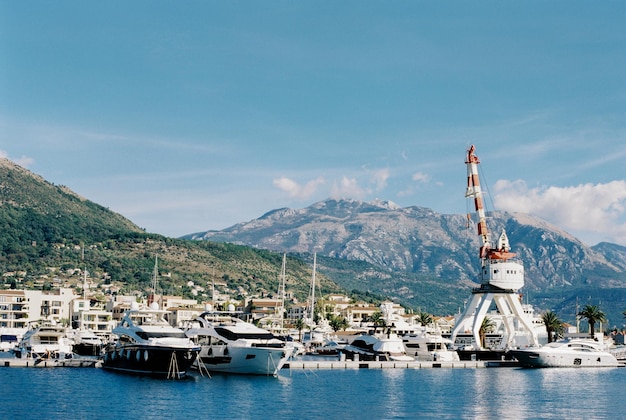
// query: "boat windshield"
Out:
[146,335]
[231,335]
[8,338]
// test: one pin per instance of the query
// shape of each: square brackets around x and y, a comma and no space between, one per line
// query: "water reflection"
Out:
[494,393]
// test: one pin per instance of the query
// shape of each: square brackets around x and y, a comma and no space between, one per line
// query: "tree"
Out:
[300,325]
[338,323]
[424,318]
[554,326]
[593,314]
[378,320]
[486,327]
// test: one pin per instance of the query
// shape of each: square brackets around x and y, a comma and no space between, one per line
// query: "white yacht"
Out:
[566,353]
[147,344]
[45,339]
[383,347]
[231,345]
[425,346]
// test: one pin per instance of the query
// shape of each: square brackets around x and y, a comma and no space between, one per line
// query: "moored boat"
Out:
[231,345]
[566,353]
[429,347]
[87,343]
[383,347]
[45,339]
[148,345]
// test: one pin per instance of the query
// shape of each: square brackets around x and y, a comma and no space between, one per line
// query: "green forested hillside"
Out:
[48,231]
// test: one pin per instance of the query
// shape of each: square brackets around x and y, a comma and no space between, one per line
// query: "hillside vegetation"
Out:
[48,232]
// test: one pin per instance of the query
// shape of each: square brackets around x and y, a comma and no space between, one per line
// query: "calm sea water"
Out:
[493,393]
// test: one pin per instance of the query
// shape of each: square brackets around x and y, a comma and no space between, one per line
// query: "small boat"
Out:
[148,345]
[566,353]
[429,347]
[230,345]
[383,347]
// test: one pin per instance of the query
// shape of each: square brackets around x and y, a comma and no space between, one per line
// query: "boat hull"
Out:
[242,360]
[158,361]
[485,355]
[538,359]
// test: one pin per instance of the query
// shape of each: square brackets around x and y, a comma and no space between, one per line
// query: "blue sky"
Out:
[196,115]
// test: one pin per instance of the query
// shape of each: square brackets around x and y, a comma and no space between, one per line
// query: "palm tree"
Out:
[593,314]
[339,323]
[424,318]
[378,320]
[554,326]
[300,325]
[486,327]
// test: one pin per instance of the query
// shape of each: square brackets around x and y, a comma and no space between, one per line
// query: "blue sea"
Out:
[485,393]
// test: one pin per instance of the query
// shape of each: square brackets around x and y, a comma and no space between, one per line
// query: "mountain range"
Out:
[415,245]
[415,256]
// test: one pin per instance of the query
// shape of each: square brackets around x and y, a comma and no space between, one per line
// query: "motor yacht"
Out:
[566,353]
[231,345]
[147,344]
[45,339]
[374,347]
[429,347]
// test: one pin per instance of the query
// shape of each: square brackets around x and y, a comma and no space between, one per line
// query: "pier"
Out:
[349,364]
[52,363]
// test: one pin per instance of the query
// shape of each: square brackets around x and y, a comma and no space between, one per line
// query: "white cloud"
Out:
[348,188]
[379,178]
[295,190]
[418,178]
[421,177]
[594,210]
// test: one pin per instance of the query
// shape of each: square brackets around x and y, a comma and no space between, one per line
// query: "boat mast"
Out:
[155,276]
[213,289]
[84,274]
[312,312]
[84,288]
[283,274]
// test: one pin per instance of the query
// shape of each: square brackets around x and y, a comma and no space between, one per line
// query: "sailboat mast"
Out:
[283,274]
[313,287]
[213,289]
[84,275]
[155,276]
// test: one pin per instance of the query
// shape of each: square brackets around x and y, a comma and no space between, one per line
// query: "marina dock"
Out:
[52,363]
[349,364]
